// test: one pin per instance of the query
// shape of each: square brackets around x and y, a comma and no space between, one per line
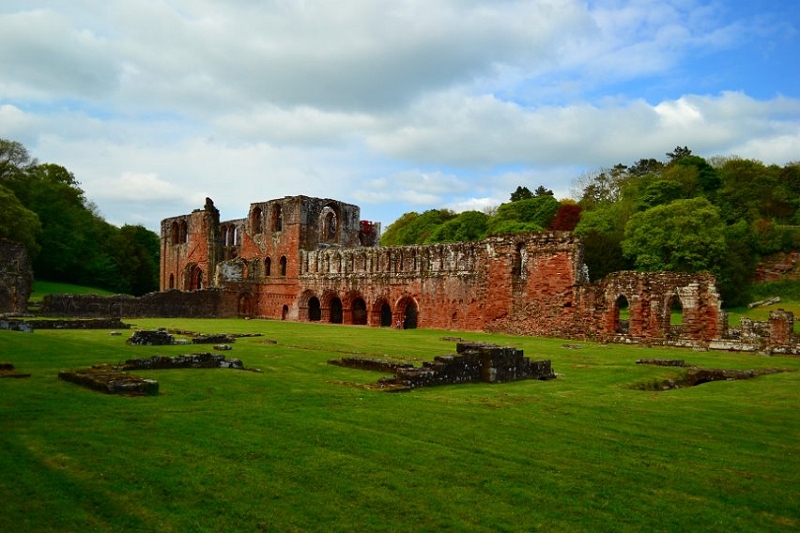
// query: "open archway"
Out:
[314,309]
[621,315]
[359,311]
[408,313]
[336,311]
[675,314]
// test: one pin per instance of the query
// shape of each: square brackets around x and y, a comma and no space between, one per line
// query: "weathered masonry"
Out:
[312,259]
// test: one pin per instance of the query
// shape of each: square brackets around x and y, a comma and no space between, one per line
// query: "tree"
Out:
[567,217]
[660,192]
[522,193]
[541,190]
[18,223]
[684,236]
[467,226]
[413,228]
[14,158]
[533,214]
[678,153]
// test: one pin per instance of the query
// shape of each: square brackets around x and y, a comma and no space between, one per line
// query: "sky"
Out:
[392,105]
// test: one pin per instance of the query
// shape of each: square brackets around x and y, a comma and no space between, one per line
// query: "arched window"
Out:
[172,281]
[184,233]
[175,233]
[329,225]
[255,221]
[267,266]
[196,280]
[277,217]
[283,265]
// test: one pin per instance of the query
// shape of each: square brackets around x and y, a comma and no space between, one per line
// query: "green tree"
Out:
[522,193]
[602,231]
[660,192]
[533,214]
[133,251]
[467,226]
[14,159]
[686,236]
[413,228]
[18,223]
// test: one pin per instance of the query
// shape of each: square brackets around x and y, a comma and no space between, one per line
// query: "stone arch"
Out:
[407,312]
[329,224]
[256,225]
[621,314]
[194,278]
[245,305]
[267,266]
[382,313]
[284,312]
[314,309]
[358,311]
[335,310]
[674,314]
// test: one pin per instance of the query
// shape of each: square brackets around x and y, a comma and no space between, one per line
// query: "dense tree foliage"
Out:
[690,214]
[684,214]
[527,211]
[45,209]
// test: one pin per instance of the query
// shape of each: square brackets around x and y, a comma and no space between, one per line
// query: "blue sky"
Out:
[393,105]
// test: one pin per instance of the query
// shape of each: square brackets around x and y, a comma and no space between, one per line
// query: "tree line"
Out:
[684,214]
[45,209]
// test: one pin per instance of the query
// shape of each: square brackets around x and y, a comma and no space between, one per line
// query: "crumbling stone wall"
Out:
[650,298]
[473,362]
[16,277]
[311,259]
[209,303]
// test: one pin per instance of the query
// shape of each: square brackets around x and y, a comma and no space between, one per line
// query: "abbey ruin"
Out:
[311,259]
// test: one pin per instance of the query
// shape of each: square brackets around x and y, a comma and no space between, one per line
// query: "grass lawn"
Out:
[294,448]
[41,288]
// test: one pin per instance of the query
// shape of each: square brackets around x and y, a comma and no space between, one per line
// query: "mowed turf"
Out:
[301,446]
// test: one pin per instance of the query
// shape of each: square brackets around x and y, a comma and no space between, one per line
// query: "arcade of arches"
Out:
[354,311]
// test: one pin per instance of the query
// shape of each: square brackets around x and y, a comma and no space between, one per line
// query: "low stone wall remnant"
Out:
[473,362]
[192,360]
[110,379]
[151,337]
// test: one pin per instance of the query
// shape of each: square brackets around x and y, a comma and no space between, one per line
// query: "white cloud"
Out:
[392,104]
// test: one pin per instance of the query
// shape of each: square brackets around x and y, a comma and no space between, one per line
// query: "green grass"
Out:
[293,449]
[42,288]
[788,291]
